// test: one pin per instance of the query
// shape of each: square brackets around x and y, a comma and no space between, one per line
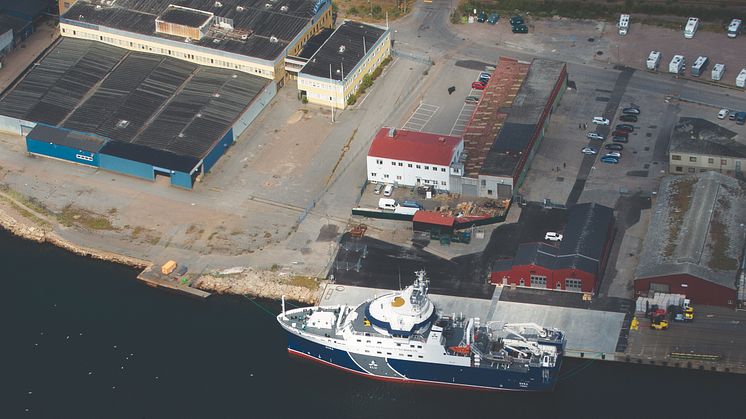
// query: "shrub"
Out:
[351,100]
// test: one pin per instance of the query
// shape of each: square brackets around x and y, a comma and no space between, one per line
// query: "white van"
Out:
[388,190]
[386,203]
[623,25]
[691,27]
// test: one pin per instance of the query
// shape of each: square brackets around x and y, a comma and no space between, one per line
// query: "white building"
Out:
[414,158]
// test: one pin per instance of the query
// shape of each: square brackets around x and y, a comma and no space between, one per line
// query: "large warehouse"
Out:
[251,36]
[508,125]
[576,265]
[133,113]
[695,242]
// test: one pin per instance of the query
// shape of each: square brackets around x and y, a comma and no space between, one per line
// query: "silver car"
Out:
[594,136]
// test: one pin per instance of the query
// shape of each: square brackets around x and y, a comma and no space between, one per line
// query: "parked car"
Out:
[485,75]
[553,237]
[412,204]
[600,120]
[625,127]
[589,150]
[609,159]
[482,17]
[723,113]
[620,133]
[519,29]
[516,20]
[613,154]
[631,111]
[493,18]
[478,85]
[378,189]
[388,189]
[594,136]
[628,118]
[732,116]
[620,139]
[614,146]
[471,99]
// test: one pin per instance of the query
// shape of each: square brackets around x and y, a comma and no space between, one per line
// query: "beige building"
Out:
[698,145]
[252,36]
[335,72]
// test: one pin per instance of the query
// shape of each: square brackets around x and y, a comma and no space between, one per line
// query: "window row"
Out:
[693,159]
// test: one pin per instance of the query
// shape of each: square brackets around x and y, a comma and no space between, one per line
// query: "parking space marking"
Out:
[420,117]
[465,114]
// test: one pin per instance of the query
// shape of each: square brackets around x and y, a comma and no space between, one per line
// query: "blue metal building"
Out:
[64,144]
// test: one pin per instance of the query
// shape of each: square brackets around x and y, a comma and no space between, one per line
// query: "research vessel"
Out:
[401,336]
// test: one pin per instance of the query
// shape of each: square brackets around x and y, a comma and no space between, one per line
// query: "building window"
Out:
[373,174]
[442,169]
[522,282]
[393,163]
[443,182]
[379,161]
[385,176]
[679,168]
[489,191]
[409,164]
[398,178]
[675,157]
[427,167]
[690,170]
[435,169]
[558,285]
[538,281]
[418,166]
[484,182]
[401,164]
[723,162]
[693,159]
[710,160]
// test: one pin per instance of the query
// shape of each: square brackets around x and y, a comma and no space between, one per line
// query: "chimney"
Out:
[392,132]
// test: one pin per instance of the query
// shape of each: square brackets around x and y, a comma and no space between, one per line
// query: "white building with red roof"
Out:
[414,158]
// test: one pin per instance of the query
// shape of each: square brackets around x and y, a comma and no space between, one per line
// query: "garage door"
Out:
[573,284]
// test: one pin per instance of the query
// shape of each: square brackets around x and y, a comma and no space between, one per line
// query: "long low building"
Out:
[130,112]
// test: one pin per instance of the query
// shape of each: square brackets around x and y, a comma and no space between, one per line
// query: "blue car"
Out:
[412,204]
[609,159]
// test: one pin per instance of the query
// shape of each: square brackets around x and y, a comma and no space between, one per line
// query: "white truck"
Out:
[717,72]
[741,79]
[654,59]
[623,25]
[691,27]
[387,203]
[676,65]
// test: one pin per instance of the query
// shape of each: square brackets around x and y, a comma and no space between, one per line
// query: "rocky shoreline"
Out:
[240,281]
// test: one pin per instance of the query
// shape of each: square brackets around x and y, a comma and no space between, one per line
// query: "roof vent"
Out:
[216,41]
[199,115]
[273,39]
[239,8]
[284,9]
[187,40]
[81,17]
[267,5]
[341,49]
[216,94]
[98,7]
[392,132]
[181,135]
[218,4]
[123,123]
[244,37]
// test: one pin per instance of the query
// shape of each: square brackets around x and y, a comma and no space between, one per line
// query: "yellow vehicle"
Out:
[689,314]
[366,322]
[659,323]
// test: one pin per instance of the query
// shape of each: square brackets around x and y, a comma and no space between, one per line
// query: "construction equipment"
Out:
[659,323]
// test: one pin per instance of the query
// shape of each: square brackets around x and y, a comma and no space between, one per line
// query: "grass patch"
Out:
[304,281]
[26,213]
[372,11]
[681,192]
[74,216]
[30,202]
[719,245]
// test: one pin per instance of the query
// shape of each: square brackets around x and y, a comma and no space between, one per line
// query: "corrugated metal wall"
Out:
[182,180]
[254,109]
[218,150]
[127,167]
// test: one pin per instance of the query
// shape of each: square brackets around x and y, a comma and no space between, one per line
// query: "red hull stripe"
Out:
[403,380]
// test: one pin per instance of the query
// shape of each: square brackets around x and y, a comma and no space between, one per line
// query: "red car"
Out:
[620,133]
[478,85]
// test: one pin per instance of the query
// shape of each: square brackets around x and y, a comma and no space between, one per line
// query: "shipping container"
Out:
[168,267]
[718,71]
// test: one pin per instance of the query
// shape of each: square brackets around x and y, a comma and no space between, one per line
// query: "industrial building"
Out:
[414,158]
[336,70]
[698,145]
[576,264]
[695,242]
[508,125]
[130,112]
[250,36]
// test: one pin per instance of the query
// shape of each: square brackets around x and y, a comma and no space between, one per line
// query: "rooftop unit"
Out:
[184,22]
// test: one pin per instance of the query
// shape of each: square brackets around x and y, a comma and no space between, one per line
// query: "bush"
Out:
[304,100]
[351,100]
[352,10]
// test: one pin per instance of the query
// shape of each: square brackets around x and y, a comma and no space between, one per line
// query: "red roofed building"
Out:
[427,220]
[414,158]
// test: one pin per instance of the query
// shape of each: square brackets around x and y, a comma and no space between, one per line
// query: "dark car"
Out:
[631,111]
[520,29]
[614,146]
[516,20]
[494,17]
[732,116]
[620,139]
[625,127]
[620,133]
[481,17]
[628,118]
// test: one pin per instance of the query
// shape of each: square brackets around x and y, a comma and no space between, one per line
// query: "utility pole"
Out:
[331,81]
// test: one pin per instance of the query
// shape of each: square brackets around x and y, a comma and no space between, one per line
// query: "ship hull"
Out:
[418,372]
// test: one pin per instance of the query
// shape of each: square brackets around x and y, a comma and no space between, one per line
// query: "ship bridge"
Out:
[403,313]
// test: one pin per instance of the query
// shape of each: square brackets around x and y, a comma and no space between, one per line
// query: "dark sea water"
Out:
[84,339]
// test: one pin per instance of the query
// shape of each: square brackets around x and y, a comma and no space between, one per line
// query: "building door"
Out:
[573,284]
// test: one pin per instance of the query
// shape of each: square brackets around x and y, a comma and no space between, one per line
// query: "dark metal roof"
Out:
[343,50]
[72,139]
[30,8]
[699,136]
[170,106]
[186,17]
[10,22]
[540,254]
[523,116]
[147,155]
[271,28]
[314,43]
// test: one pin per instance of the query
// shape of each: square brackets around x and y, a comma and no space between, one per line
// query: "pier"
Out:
[152,277]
